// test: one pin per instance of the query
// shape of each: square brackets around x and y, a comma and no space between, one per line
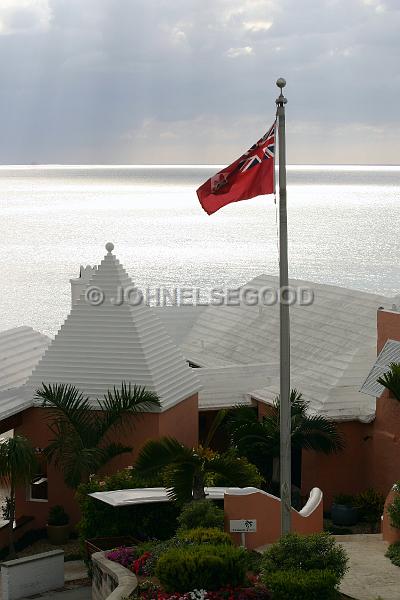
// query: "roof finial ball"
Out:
[109,247]
[281,82]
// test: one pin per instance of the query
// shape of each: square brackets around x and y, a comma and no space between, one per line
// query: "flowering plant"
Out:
[139,566]
[147,590]
[123,555]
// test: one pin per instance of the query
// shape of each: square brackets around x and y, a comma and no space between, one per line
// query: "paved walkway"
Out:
[371,574]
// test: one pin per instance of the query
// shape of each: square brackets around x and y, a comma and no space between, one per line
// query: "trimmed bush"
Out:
[201,567]
[203,535]
[370,505]
[302,585]
[306,553]
[201,513]
[394,509]
[393,552]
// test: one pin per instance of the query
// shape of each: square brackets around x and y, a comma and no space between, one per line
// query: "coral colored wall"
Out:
[388,325]
[348,471]
[266,509]
[386,442]
[180,421]
[372,454]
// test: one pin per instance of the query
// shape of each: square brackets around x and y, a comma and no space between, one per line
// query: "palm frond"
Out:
[317,433]
[235,471]
[107,453]
[155,455]
[66,403]
[179,482]
[120,401]
[215,425]
[17,460]
[391,380]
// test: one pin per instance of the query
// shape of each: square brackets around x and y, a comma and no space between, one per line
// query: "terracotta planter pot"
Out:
[58,534]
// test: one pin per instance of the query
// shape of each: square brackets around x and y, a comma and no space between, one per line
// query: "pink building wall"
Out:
[180,421]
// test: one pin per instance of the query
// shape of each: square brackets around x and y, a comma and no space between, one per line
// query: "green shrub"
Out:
[306,553]
[394,510]
[393,552]
[201,513]
[253,561]
[142,521]
[201,567]
[203,535]
[370,505]
[302,585]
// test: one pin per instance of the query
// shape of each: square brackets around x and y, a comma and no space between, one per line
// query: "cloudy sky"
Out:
[193,81]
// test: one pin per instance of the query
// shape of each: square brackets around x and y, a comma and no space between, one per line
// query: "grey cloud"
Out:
[86,86]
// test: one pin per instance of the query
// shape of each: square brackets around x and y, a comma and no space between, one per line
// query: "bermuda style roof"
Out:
[105,341]
[333,344]
[20,350]
[390,353]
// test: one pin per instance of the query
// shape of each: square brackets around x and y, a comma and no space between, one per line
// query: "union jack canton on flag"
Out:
[250,175]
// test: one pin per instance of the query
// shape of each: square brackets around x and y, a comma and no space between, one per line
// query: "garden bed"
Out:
[203,564]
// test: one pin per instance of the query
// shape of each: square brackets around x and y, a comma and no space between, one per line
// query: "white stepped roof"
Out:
[99,346]
[20,350]
[333,343]
[178,320]
[390,353]
[224,387]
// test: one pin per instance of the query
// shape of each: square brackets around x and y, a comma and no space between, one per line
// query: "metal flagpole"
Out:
[285,408]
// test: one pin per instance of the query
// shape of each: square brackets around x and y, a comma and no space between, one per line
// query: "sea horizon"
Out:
[342,226]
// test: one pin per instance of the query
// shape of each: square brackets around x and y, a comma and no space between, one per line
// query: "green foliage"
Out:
[391,380]
[81,442]
[259,440]
[201,567]
[393,552]
[17,467]
[186,470]
[253,476]
[143,521]
[57,516]
[394,510]
[204,535]
[344,499]
[370,505]
[302,585]
[306,552]
[202,513]
[253,561]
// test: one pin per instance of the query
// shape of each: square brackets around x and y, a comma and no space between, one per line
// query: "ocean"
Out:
[343,230]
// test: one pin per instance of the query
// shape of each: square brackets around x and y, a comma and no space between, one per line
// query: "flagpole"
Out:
[285,408]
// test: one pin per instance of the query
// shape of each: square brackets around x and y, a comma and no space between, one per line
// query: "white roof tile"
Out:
[20,350]
[100,346]
[390,353]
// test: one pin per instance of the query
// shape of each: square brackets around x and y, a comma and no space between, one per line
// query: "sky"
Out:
[193,81]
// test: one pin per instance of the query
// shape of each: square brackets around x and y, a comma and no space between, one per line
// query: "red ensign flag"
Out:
[250,175]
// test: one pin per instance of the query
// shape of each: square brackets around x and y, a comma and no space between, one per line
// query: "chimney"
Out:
[79,284]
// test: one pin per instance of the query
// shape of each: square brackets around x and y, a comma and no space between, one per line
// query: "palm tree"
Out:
[259,440]
[17,467]
[81,443]
[186,470]
[391,380]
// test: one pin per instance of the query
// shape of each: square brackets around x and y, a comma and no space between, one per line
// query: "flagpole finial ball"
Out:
[281,82]
[109,246]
